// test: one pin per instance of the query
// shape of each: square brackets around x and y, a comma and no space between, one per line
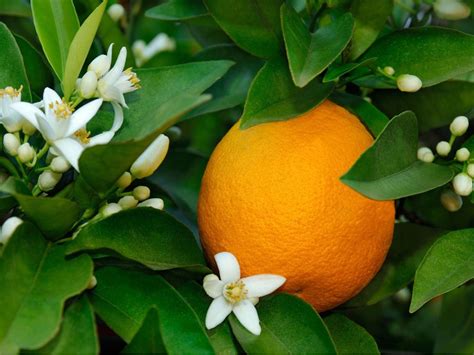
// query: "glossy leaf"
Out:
[79,49]
[349,337]
[145,235]
[274,97]
[334,72]
[289,326]
[148,338]
[310,53]
[122,298]
[389,169]
[254,25]
[56,23]
[36,279]
[177,10]
[448,264]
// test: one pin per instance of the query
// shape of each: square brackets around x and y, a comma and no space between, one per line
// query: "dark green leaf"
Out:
[334,72]
[310,53]
[206,31]
[254,25]
[178,10]
[289,326]
[148,338]
[56,23]
[274,97]
[448,264]
[15,8]
[350,338]
[36,280]
[122,298]
[145,235]
[389,169]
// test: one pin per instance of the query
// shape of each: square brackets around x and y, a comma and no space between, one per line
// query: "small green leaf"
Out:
[274,97]
[145,235]
[15,8]
[289,326]
[148,338]
[79,49]
[448,264]
[310,53]
[334,72]
[36,280]
[350,338]
[254,25]
[389,169]
[177,10]
[56,23]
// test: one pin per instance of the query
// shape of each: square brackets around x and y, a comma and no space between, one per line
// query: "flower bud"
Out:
[28,128]
[451,201]
[151,158]
[462,154]
[11,144]
[26,153]
[138,48]
[459,126]
[88,85]
[8,228]
[409,83]
[451,9]
[100,65]
[92,283]
[462,184]
[156,203]
[443,148]
[110,209]
[48,180]
[470,170]
[127,202]
[125,180]
[389,70]
[116,12]
[425,154]
[141,193]
[59,165]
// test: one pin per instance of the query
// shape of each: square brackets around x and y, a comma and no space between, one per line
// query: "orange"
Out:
[271,195]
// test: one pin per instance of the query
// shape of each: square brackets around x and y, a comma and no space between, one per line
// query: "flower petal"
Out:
[82,116]
[50,97]
[217,312]
[229,268]
[70,149]
[48,132]
[102,138]
[247,315]
[29,111]
[213,286]
[112,76]
[262,285]
[118,117]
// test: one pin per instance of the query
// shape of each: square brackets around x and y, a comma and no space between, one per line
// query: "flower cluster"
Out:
[405,82]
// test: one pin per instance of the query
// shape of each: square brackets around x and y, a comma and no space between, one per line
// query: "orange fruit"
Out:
[271,195]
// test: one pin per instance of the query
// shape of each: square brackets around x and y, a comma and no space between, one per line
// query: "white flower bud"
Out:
[116,12]
[451,201]
[92,283]
[48,180]
[141,193]
[138,48]
[26,153]
[110,209]
[443,148]
[156,203]
[409,83]
[28,128]
[11,144]
[8,228]
[459,126]
[100,65]
[425,154]
[88,84]
[125,180]
[451,9]
[470,170]
[127,202]
[462,184]
[389,70]
[151,158]
[462,154]
[59,165]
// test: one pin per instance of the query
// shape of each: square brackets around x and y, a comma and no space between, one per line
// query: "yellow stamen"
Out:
[61,109]
[133,78]
[12,92]
[235,291]
[83,135]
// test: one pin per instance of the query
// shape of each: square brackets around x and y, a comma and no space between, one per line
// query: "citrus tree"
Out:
[344,186]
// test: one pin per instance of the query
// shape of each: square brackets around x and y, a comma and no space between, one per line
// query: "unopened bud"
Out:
[125,180]
[100,65]
[425,154]
[141,193]
[451,9]
[151,158]
[48,180]
[443,148]
[451,201]
[116,12]
[9,227]
[156,203]
[60,165]
[92,283]
[462,184]
[470,170]
[389,70]
[127,202]
[409,83]
[110,209]
[459,126]
[88,85]
[462,154]
[11,144]
[26,153]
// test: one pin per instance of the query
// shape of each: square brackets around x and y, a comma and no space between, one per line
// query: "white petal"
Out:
[70,149]
[254,300]
[112,76]
[82,116]
[29,111]
[102,138]
[48,132]
[229,268]
[217,312]
[262,285]
[213,286]
[247,315]
[118,117]
[50,97]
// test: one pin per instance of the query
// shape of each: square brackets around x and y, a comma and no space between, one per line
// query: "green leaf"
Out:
[274,97]
[448,264]
[350,338]
[78,334]
[334,72]
[12,68]
[434,107]
[289,326]
[433,54]
[145,235]
[310,53]
[177,10]
[254,25]
[122,298]
[389,169]
[369,21]
[456,323]
[56,23]
[409,246]
[15,8]
[148,338]
[79,49]
[36,280]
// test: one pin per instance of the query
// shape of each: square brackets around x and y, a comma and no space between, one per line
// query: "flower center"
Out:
[235,291]
[83,135]
[11,91]
[61,109]
[132,78]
